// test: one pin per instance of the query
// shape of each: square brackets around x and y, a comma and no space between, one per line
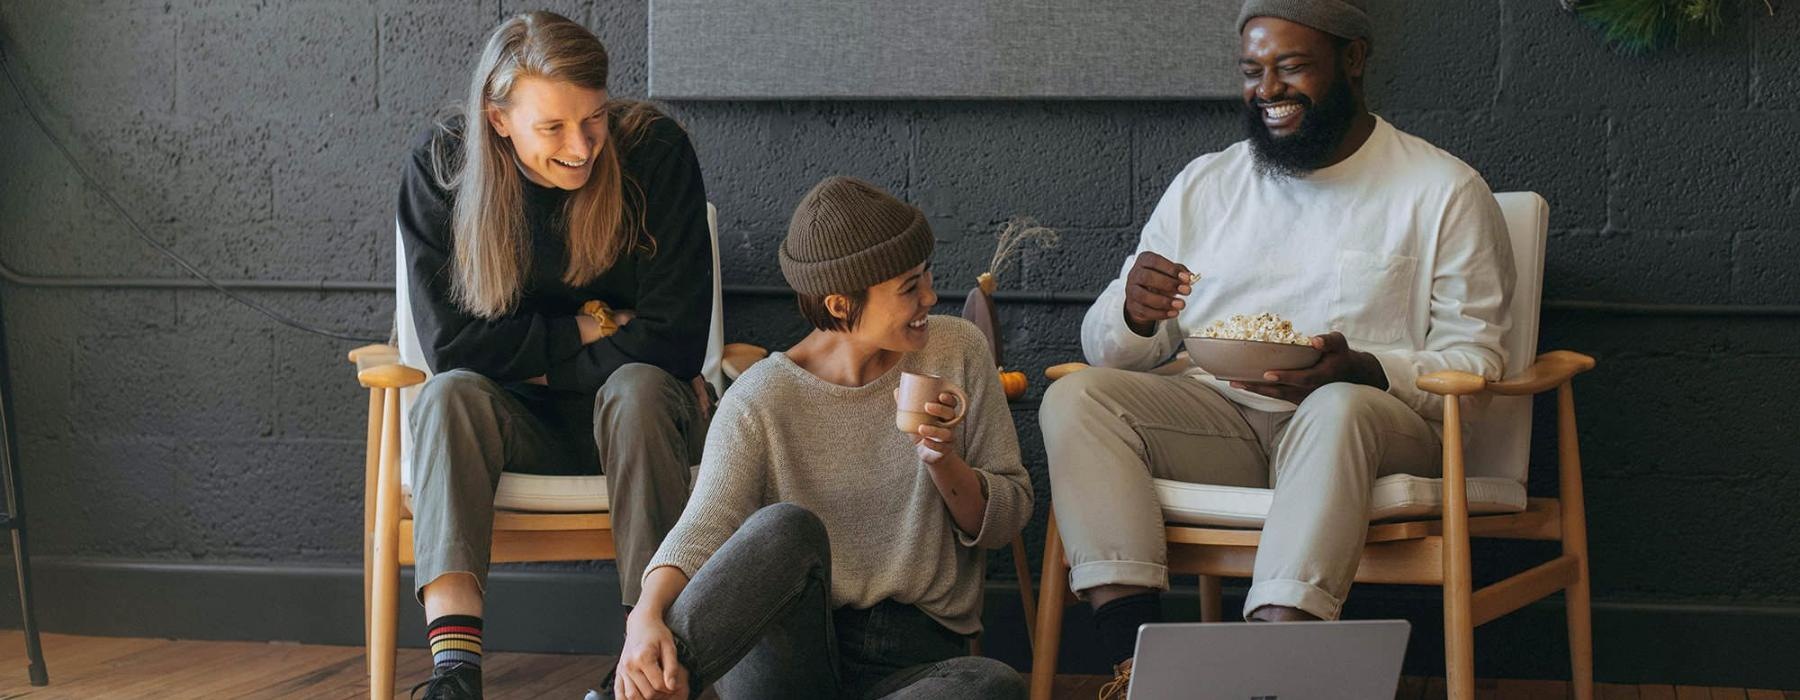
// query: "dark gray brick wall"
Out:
[262,140]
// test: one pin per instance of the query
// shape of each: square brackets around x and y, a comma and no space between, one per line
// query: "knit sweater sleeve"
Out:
[734,470]
[514,347]
[991,442]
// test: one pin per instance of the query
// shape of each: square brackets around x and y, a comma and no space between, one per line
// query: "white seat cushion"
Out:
[538,493]
[552,494]
[1396,497]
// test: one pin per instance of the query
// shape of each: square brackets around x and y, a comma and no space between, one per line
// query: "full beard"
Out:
[1312,144]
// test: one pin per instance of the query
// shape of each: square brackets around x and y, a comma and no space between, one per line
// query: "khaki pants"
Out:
[1109,432]
[643,430]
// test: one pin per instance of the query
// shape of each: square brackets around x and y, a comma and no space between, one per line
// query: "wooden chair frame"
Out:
[388,527]
[1428,552]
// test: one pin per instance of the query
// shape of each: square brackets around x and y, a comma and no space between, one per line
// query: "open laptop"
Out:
[1354,660]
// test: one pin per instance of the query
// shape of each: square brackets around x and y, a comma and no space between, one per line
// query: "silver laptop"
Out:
[1354,660]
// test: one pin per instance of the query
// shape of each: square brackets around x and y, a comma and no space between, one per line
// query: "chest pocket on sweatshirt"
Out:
[1374,296]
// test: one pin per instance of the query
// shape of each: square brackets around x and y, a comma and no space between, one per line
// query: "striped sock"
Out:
[455,639]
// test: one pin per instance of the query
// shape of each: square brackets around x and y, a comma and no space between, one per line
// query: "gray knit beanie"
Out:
[848,235]
[1335,17]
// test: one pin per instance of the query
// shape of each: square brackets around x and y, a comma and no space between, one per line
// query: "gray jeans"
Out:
[642,429]
[1109,433]
[756,622]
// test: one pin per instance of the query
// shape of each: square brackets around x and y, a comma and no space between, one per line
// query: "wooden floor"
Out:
[107,667]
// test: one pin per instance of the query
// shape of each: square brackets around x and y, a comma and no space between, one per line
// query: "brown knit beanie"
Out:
[848,235]
[1338,18]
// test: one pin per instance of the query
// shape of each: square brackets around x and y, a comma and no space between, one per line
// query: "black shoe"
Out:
[454,682]
[606,687]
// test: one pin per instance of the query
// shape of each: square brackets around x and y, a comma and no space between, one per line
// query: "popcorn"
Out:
[1263,327]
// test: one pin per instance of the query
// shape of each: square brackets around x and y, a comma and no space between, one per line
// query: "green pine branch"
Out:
[1639,26]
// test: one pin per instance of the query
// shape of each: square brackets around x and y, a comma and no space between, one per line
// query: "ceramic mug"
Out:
[915,391]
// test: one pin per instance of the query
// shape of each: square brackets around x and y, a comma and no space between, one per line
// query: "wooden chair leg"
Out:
[1581,636]
[1459,620]
[1212,607]
[1574,539]
[386,582]
[1053,587]
[371,474]
[1022,568]
[1459,647]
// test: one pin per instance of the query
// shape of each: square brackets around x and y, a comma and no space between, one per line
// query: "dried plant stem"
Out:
[1013,234]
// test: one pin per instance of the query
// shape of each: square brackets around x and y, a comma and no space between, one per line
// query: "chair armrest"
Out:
[1179,365]
[1452,383]
[358,355]
[736,358]
[1551,370]
[389,376]
[378,367]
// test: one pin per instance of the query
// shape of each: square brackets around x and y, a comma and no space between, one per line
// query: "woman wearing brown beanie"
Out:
[824,553]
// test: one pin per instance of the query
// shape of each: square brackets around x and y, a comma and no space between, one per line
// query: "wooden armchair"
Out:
[1430,548]
[537,518]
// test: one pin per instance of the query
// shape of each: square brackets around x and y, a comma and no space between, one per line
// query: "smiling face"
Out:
[1301,93]
[893,312]
[556,129]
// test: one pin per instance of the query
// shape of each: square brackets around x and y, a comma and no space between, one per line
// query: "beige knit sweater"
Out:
[782,435]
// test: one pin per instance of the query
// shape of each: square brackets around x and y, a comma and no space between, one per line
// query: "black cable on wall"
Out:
[1616,308]
[6,66]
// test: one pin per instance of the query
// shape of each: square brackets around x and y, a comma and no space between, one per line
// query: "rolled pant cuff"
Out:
[1293,594]
[456,560]
[1117,572]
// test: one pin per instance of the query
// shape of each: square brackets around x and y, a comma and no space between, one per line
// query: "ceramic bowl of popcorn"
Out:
[1242,348]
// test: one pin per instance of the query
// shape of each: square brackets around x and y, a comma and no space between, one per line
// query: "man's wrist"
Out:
[1143,329]
[1373,374]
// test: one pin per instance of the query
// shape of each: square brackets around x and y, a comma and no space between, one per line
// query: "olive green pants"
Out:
[643,430]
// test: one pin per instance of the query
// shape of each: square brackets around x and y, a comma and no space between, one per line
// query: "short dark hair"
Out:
[813,308]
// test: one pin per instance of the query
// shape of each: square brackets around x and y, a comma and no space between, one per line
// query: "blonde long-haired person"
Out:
[543,195]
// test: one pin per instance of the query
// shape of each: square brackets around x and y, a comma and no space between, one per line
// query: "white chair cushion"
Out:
[537,493]
[1395,497]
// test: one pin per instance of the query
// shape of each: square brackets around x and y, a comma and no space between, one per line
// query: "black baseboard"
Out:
[577,611]
[533,610]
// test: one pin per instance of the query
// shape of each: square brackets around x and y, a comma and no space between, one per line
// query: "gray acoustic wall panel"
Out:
[951,49]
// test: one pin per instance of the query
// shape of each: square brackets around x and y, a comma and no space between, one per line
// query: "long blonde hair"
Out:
[492,246]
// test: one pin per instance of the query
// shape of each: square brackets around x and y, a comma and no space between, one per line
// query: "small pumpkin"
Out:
[1013,383]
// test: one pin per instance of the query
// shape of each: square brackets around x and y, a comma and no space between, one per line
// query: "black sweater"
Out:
[668,285]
